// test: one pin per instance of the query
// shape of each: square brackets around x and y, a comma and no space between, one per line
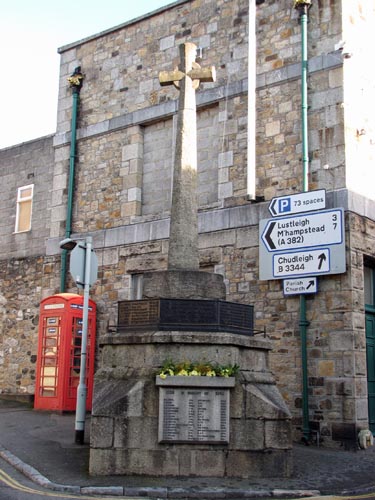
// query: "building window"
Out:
[369,275]
[24,208]
[136,287]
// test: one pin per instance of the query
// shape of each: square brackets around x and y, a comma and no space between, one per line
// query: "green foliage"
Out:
[202,368]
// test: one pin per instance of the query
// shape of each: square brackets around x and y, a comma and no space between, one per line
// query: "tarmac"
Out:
[41,446]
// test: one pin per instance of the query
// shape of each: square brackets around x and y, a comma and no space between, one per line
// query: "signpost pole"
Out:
[303,7]
[82,388]
[82,264]
[303,324]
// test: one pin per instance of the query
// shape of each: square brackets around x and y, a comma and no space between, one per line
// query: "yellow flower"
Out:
[185,368]
[194,373]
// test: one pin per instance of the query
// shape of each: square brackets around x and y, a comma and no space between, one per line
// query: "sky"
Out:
[31,31]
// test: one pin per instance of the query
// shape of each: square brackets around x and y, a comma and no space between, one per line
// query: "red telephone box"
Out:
[59,352]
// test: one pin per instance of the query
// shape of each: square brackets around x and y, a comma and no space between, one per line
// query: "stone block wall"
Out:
[158,152]
[121,77]
[122,66]
[336,336]
[157,168]
[122,191]
[22,165]
[19,319]
[26,275]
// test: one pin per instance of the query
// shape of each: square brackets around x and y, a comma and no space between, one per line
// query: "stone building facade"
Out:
[123,184]
[25,271]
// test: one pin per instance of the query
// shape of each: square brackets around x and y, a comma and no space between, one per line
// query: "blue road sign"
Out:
[297,203]
[306,244]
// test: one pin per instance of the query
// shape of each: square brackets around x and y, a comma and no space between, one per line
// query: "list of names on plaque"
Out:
[194,415]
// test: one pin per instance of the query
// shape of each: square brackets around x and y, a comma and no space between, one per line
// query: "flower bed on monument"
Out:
[197,374]
[196,369]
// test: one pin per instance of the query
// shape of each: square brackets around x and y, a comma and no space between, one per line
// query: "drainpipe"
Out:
[302,7]
[251,102]
[75,81]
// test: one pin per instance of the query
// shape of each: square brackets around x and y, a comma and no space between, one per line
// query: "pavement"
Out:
[41,446]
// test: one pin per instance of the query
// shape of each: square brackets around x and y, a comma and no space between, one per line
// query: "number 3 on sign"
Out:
[334,220]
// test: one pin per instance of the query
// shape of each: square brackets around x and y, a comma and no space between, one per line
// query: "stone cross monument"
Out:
[182,279]
[183,240]
[146,425]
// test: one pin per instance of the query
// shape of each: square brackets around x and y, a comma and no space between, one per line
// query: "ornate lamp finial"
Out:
[302,6]
[76,79]
[302,3]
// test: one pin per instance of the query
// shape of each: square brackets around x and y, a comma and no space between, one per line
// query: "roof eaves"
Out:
[69,46]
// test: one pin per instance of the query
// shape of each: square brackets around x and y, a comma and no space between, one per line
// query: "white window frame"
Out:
[20,200]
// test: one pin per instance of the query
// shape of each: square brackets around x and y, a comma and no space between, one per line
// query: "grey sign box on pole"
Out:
[77,266]
[306,244]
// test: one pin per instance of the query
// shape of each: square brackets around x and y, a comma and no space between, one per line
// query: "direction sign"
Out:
[296,203]
[296,286]
[306,244]
[304,230]
[301,263]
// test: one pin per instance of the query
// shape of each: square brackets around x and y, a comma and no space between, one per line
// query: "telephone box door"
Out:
[59,352]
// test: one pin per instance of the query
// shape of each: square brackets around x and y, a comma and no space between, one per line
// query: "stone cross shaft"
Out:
[183,239]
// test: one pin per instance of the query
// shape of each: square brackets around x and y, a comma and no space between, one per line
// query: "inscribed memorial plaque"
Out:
[194,414]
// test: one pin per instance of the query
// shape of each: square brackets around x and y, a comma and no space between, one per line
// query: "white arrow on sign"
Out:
[303,262]
[304,230]
[297,203]
[297,286]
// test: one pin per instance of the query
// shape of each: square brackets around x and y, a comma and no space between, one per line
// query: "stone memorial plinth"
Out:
[127,434]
